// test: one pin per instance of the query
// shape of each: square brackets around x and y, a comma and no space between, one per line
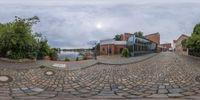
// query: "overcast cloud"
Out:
[72,23]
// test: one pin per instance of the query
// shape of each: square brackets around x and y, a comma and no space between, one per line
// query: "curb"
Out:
[129,62]
[104,64]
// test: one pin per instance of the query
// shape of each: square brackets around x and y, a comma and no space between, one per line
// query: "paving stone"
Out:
[162,91]
[188,93]
[157,77]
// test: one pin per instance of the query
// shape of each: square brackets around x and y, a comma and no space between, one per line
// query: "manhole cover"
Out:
[197,78]
[5,79]
[49,73]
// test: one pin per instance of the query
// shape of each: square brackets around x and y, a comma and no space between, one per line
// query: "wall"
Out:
[154,37]
[167,45]
[178,45]
[125,36]
[118,47]
[115,49]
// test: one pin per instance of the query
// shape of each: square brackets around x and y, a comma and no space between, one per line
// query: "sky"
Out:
[73,23]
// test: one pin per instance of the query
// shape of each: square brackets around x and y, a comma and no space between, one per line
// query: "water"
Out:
[69,54]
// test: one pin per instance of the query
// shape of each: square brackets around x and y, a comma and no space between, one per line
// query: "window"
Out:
[103,49]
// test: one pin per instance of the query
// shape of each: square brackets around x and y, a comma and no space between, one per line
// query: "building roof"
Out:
[182,35]
[153,34]
[174,41]
[112,41]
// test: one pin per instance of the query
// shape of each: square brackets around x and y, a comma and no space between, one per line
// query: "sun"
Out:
[99,25]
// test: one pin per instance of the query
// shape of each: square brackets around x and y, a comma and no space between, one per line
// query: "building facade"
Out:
[179,48]
[125,36]
[136,45]
[167,46]
[111,47]
[155,37]
[139,45]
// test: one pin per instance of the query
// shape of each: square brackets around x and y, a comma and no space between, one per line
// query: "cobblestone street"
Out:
[166,75]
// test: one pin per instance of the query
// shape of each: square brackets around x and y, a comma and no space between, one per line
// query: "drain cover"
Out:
[5,79]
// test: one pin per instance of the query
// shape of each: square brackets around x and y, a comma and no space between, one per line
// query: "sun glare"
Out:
[99,25]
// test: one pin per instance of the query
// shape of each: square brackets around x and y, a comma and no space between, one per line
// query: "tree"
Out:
[194,41]
[125,52]
[117,37]
[44,49]
[138,34]
[17,40]
[183,43]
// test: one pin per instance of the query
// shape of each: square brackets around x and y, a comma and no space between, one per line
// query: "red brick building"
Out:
[125,36]
[155,37]
[111,47]
[167,46]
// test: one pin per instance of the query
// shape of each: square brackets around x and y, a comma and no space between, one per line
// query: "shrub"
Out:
[32,55]
[125,52]
[17,38]
[77,59]
[53,54]
[67,59]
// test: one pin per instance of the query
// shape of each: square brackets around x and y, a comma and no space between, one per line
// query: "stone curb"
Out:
[108,63]
[129,62]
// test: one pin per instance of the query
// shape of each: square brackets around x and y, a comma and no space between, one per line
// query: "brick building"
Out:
[155,37]
[111,47]
[167,46]
[125,36]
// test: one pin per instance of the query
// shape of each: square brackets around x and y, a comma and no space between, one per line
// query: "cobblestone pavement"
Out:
[166,75]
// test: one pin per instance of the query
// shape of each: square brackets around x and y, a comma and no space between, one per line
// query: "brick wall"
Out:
[167,45]
[116,49]
[125,36]
[154,37]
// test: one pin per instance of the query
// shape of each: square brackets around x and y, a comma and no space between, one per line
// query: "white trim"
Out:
[111,41]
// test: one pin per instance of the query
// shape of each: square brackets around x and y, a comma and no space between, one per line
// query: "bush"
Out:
[125,52]
[15,55]
[32,55]
[53,54]
[17,39]
[67,59]
[77,59]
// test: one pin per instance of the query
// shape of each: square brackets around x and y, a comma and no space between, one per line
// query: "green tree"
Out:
[117,37]
[194,41]
[138,34]
[44,49]
[183,43]
[125,52]
[53,53]
[17,40]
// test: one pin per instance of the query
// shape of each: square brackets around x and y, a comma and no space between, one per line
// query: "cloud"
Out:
[71,24]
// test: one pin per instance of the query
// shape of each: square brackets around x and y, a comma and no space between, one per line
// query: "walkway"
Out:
[109,60]
[163,76]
